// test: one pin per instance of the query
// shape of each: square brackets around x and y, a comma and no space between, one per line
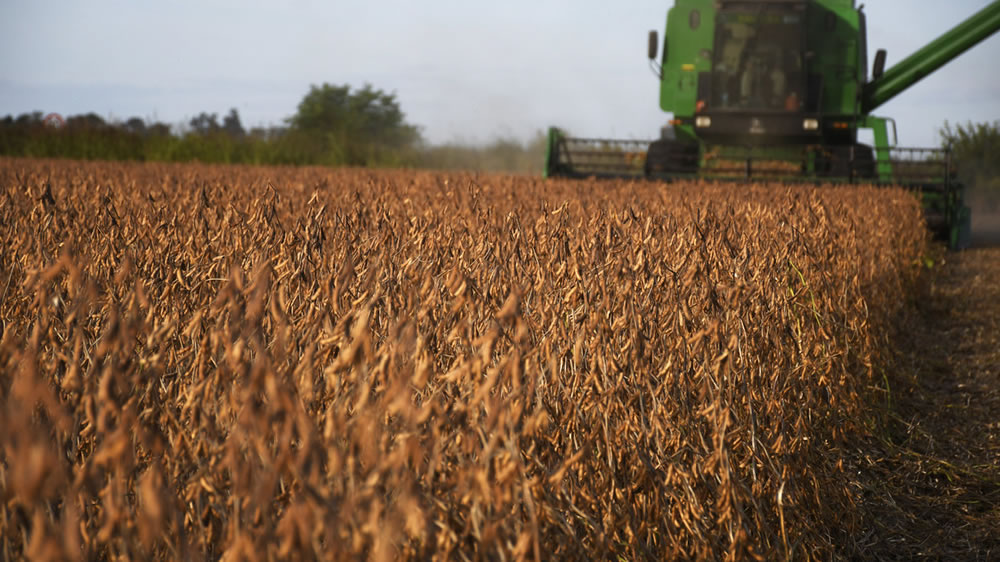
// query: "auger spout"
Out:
[932,56]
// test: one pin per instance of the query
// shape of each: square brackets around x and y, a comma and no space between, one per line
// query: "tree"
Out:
[205,123]
[28,119]
[158,130]
[362,127]
[232,126]
[976,148]
[135,125]
[87,121]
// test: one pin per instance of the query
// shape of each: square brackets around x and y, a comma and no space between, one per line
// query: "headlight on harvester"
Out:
[810,124]
[702,121]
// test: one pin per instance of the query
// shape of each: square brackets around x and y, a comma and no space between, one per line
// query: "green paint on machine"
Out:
[778,89]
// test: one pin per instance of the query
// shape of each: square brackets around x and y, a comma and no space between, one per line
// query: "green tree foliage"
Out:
[334,126]
[976,147]
[232,126]
[83,136]
[361,128]
[135,126]
[91,121]
[205,124]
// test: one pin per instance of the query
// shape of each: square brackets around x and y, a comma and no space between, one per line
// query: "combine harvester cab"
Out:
[777,90]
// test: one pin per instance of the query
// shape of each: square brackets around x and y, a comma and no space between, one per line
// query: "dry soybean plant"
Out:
[267,363]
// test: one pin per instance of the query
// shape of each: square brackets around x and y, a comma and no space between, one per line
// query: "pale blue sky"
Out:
[461,70]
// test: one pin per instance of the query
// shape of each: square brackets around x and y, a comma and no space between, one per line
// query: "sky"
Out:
[467,71]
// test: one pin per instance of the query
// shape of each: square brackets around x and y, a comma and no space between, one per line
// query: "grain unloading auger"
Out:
[777,90]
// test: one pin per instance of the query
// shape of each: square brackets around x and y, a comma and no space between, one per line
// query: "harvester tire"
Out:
[837,162]
[668,157]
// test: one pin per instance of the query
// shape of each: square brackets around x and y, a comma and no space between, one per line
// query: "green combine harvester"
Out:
[776,90]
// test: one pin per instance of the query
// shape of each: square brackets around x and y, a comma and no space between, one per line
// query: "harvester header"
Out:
[778,89]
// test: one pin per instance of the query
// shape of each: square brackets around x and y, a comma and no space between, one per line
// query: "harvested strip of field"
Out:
[933,486]
[269,363]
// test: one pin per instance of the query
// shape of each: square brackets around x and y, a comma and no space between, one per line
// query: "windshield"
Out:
[758,62]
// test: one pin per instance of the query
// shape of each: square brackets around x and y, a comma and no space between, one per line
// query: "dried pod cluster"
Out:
[256,363]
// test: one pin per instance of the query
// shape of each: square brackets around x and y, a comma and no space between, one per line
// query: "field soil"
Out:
[936,491]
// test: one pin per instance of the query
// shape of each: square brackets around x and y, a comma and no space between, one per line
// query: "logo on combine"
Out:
[756,127]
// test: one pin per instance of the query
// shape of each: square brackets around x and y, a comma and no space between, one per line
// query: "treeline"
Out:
[976,147]
[333,126]
[91,137]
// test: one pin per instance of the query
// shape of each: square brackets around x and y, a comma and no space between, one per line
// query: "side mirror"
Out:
[654,44]
[878,67]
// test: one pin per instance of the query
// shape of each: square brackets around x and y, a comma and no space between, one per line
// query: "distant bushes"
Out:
[357,143]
